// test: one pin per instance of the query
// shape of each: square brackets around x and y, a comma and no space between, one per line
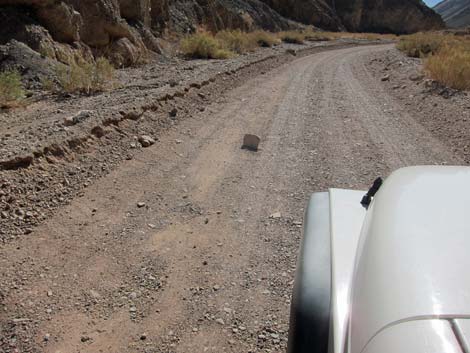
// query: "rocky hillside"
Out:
[127,31]
[384,16]
[456,13]
[123,30]
[396,16]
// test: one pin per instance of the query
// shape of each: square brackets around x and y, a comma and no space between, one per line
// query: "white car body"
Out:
[392,278]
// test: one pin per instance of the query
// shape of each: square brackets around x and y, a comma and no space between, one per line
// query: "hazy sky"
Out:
[431,3]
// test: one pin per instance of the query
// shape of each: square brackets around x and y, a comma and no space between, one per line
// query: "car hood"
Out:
[413,253]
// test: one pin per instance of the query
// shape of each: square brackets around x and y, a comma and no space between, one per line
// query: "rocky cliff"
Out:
[127,30]
[385,16]
[123,30]
[456,13]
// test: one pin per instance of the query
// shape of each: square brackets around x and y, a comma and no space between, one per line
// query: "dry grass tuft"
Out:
[11,88]
[264,39]
[451,65]
[293,37]
[225,44]
[447,56]
[421,45]
[86,77]
[236,41]
[204,46]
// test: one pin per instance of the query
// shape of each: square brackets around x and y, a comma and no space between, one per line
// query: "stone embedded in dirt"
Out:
[276,215]
[386,78]
[416,77]
[173,112]
[251,142]
[140,204]
[146,141]
[291,52]
[94,294]
[220,321]
[98,131]
[81,116]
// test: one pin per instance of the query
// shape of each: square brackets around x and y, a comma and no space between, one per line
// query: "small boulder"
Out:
[251,142]
[146,141]
[386,78]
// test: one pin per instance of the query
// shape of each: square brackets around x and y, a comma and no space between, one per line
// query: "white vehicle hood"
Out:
[414,257]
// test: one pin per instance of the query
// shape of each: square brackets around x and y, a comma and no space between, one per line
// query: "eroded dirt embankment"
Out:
[55,147]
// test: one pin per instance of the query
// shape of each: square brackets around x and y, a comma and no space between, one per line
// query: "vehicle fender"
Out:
[311,300]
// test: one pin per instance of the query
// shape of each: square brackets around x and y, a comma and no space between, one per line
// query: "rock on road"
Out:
[175,251]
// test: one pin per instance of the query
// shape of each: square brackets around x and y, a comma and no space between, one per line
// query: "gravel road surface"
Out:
[191,246]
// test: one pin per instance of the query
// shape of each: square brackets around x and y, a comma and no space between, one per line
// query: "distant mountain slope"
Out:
[456,13]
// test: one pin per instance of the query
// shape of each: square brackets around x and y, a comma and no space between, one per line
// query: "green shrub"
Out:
[203,46]
[11,88]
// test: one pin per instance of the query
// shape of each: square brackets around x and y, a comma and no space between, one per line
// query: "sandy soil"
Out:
[177,249]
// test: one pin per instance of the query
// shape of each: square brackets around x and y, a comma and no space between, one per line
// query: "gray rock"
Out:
[386,78]
[416,77]
[81,116]
[146,141]
[251,142]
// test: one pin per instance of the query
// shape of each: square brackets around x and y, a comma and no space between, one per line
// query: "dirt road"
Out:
[177,250]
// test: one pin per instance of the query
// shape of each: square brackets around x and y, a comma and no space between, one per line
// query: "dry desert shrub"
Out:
[451,65]
[203,45]
[225,44]
[86,77]
[264,38]
[421,45]
[293,37]
[447,56]
[11,88]
[236,41]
